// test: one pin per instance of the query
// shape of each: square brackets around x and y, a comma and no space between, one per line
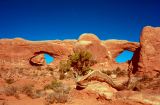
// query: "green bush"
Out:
[80,62]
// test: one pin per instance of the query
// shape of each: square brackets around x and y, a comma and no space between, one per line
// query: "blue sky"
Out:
[48,58]
[124,56]
[67,19]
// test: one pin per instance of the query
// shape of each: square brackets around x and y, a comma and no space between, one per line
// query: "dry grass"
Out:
[60,94]
[118,72]
[56,98]
[30,91]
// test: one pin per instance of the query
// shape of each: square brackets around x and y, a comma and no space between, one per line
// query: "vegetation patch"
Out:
[59,94]
[118,72]
[78,63]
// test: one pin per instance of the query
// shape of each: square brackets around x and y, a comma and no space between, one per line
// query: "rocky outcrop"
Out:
[38,60]
[92,44]
[89,37]
[18,52]
[149,52]
[24,53]
[104,51]
[115,47]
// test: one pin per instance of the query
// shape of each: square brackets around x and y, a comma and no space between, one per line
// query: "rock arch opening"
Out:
[41,58]
[48,59]
[124,56]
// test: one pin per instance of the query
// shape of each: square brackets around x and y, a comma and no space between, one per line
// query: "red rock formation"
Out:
[89,37]
[92,44]
[104,50]
[22,53]
[115,47]
[38,60]
[149,56]
[18,52]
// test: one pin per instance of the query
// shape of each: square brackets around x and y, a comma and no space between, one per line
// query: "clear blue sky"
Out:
[67,19]
[48,58]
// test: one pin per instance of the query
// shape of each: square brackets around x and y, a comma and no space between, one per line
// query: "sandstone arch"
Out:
[39,60]
[18,52]
[115,47]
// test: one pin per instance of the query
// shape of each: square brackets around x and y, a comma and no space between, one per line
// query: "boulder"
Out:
[38,60]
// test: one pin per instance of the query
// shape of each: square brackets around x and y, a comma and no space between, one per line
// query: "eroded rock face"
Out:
[23,53]
[18,52]
[92,44]
[115,47]
[149,53]
[103,51]
[89,37]
[38,60]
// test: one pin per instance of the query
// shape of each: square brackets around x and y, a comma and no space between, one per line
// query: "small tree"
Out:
[80,62]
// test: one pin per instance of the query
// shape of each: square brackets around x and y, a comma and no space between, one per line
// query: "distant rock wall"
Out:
[18,52]
[23,53]
[146,60]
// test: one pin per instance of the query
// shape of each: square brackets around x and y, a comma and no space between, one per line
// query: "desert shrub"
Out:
[108,72]
[69,74]
[81,62]
[54,84]
[57,87]
[120,72]
[64,67]
[56,98]
[60,94]
[11,90]
[29,91]
[50,99]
